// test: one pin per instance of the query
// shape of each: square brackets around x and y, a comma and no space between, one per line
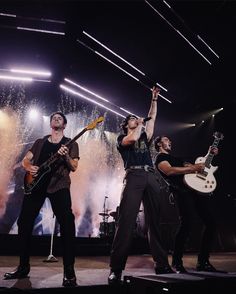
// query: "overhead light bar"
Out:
[120,57]
[96,95]
[113,53]
[177,31]
[40,31]
[86,90]
[24,79]
[89,99]
[164,98]
[183,22]
[7,14]
[129,74]
[33,72]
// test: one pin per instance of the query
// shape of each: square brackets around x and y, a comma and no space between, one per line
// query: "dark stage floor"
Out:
[92,271]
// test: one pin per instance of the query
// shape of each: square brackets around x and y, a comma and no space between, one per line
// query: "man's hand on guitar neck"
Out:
[63,150]
[213,150]
[72,163]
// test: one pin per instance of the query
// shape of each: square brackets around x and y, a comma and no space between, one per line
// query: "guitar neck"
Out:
[210,155]
[75,138]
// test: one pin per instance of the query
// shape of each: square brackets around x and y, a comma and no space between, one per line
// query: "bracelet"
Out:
[154,99]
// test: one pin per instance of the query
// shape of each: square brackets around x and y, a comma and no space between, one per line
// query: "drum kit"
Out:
[106,228]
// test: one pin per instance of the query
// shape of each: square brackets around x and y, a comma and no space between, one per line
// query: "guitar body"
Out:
[204,183]
[35,182]
[31,182]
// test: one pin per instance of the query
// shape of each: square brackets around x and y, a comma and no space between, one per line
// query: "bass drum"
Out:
[107,229]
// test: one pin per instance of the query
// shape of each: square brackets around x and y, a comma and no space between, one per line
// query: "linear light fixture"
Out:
[33,72]
[40,31]
[134,67]
[24,79]
[85,89]
[89,99]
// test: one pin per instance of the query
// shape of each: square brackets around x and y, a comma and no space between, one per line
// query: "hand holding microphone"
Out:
[146,119]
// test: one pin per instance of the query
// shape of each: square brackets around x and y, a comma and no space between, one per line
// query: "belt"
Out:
[147,168]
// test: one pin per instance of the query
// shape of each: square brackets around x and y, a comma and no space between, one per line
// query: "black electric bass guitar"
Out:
[204,182]
[32,182]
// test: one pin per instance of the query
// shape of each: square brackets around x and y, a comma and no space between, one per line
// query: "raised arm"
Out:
[134,135]
[152,113]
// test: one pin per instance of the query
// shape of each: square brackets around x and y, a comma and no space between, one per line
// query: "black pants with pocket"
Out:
[139,186]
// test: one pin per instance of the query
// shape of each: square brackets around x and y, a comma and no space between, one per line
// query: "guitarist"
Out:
[173,169]
[56,187]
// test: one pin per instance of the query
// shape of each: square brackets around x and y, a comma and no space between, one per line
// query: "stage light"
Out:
[33,114]
[86,90]
[203,121]
[131,65]
[114,53]
[40,31]
[31,72]
[221,108]
[89,99]
[14,78]
[213,115]
[125,71]
[7,14]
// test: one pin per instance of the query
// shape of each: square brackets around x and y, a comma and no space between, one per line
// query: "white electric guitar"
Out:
[204,182]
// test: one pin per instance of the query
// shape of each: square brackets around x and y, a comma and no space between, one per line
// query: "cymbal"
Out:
[104,214]
[113,213]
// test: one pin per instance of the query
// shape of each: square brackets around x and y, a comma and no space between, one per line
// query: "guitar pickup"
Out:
[202,175]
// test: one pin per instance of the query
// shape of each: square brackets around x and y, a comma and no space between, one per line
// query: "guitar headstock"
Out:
[93,124]
[218,135]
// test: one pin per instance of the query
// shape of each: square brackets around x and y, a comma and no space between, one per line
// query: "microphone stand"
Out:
[104,217]
[51,257]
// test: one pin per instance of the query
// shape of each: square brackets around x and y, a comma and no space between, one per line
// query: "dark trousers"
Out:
[190,203]
[139,186]
[61,206]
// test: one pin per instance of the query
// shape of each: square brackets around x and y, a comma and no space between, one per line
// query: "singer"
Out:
[140,185]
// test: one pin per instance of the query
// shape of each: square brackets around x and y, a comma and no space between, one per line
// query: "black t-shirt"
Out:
[175,181]
[137,153]
[47,151]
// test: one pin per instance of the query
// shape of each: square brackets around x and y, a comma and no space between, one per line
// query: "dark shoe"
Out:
[164,270]
[179,268]
[205,266]
[114,278]
[19,273]
[69,279]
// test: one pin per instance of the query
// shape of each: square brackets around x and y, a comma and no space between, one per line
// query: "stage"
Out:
[139,277]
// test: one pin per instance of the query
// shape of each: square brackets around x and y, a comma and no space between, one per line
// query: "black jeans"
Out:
[188,203]
[61,206]
[139,185]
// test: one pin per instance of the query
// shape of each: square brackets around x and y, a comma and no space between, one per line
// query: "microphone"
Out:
[147,118]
